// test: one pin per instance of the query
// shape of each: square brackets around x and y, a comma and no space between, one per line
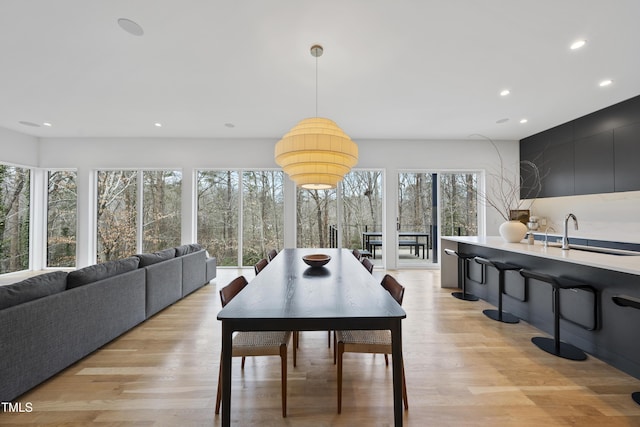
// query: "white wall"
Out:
[17,148]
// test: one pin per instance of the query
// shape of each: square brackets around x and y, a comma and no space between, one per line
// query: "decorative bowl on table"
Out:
[316,260]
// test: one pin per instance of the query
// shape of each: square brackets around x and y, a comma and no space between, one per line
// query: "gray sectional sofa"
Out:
[50,321]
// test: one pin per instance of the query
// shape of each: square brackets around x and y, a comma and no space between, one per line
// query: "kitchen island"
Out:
[615,334]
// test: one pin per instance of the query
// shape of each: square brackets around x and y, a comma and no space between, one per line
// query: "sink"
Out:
[608,251]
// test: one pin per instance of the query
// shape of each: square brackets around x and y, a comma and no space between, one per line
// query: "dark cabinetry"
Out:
[597,153]
[593,156]
[627,157]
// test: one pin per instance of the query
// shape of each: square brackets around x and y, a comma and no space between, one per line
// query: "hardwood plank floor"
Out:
[462,370]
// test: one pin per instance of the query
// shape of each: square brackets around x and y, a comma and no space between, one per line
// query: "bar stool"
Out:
[498,314]
[627,301]
[554,345]
[462,265]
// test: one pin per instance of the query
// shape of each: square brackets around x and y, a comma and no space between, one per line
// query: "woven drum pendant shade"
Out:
[316,154]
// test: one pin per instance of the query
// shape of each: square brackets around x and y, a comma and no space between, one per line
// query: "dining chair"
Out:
[254,343]
[367,264]
[260,265]
[370,341]
[356,253]
[272,254]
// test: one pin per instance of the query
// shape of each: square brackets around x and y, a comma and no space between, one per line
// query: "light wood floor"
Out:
[462,370]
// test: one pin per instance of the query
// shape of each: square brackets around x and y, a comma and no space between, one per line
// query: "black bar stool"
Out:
[462,266]
[498,314]
[627,301]
[554,345]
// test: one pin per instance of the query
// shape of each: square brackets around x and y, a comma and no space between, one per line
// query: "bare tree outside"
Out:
[362,206]
[14,218]
[218,214]
[415,202]
[459,204]
[116,214]
[161,218]
[62,205]
[316,213]
[262,214]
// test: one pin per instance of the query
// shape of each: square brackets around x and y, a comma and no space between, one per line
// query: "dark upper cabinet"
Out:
[618,115]
[593,163]
[559,166]
[597,153]
[626,149]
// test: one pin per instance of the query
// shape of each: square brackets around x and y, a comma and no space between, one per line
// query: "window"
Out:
[62,199]
[161,219]
[316,215]
[218,207]
[15,186]
[361,206]
[262,214]
[459,204]
[249,204]
[116,214]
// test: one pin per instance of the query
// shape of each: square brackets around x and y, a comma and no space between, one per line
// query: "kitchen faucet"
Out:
[546,235]
[565,232]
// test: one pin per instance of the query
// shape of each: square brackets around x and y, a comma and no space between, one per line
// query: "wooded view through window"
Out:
[62,198]
[117,212]
[222,196]
[14,218]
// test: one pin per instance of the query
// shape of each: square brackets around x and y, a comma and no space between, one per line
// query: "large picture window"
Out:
[262,214]
[218,214]
[116,214]
[361,207]
[316,216]
[161,219]
[15,185]
[119,225]
[62,198]
[240,214]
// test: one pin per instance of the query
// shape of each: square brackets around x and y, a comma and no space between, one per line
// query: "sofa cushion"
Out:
[187,249]
[32,288]
[93,273]
[155,257]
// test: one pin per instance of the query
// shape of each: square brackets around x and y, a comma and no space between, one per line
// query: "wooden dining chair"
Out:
[370,341]
[272,254]
[260,265]
[259,343]
[356,253]
[367,264]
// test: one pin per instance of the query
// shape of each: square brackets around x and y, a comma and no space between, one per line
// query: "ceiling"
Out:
[396,69]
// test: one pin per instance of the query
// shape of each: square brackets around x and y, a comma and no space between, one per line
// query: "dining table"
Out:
[289,295]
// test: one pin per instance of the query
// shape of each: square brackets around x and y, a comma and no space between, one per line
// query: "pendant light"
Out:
[316,153]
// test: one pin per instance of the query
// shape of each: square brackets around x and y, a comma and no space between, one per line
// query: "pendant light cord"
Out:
[316,86]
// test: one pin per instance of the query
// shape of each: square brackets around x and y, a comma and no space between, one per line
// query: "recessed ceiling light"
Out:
[47,124]
[130,27]
[523,121]
[31,124]
[230,125]
[606,82]
[505,120]
[158,125]
[578,44]
[505,92]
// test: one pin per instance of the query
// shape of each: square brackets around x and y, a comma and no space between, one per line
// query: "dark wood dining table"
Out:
[289,295]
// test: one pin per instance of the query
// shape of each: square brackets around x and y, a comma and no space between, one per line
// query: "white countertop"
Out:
[625,264]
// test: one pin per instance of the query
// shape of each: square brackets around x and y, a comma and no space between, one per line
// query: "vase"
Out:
[512,231]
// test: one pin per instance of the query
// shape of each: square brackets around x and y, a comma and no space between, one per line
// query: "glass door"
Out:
[431,204]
